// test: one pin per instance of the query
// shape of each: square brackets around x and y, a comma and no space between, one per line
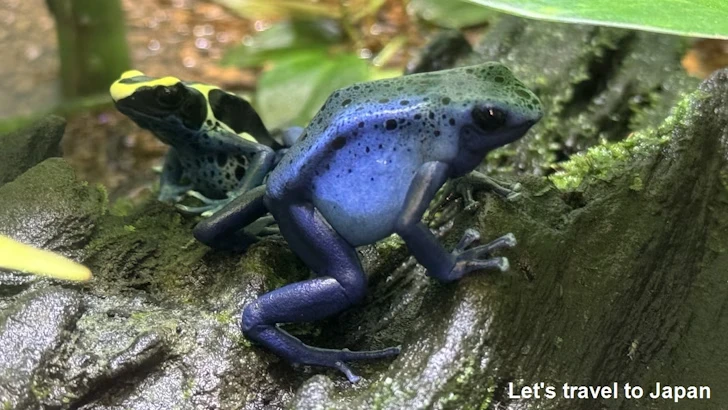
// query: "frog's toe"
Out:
[204,211]
[506,241]
[172,193]
[264,226]
[478,257]
[202,198]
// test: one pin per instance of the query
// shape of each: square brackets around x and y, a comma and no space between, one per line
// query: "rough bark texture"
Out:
[620,278]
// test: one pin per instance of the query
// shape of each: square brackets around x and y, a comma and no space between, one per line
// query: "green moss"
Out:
[122,207]
[604,161]
[636,184]
[224,317]
[40,392]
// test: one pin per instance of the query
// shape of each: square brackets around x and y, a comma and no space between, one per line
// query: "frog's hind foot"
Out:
[299,353]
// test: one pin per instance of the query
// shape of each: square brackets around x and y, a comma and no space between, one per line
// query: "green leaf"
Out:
[283,38]
[697,18]
[267,9]
[297,86]
[451,13]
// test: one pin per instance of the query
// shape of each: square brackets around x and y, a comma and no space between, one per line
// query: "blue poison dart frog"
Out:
[367,166]
[219,147]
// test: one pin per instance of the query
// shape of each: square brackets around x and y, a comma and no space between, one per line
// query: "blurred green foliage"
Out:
[451,13]
[700,18]
[314,50]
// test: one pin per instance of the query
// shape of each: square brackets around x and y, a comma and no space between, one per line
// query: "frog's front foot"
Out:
[211,205]
[478,257]
[172,193]
[475,180]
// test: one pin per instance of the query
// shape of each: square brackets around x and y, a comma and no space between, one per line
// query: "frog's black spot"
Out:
[346,102]
[446,101]
[367,149]
[400,88]
[371,179]
[361,124]
[390,125]
[228,176]
[452,121]
[499,79]
[208,122]
[384,100]
[336,94]
[221,159]
[349,170]
[437,133]
[469,70]
[239,172]
[418,116]
[404,102]
[380,146]
[523,93]
[431,115]
[338,142]
[328,167]
[319,120]
[356,87]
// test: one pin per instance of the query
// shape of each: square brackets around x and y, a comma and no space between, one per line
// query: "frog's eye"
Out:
[168,97]
[488,118]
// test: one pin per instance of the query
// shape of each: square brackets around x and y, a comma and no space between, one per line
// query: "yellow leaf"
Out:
[18,256]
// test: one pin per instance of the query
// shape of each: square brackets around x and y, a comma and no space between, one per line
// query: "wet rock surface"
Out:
[619,279]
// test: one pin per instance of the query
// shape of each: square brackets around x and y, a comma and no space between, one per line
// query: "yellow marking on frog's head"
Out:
[132,80]
[131,73]
[205,90]
[18,256]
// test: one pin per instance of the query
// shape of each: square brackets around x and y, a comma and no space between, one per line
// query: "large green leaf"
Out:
[451,13]
[284,38]
[696,18]
[297,86]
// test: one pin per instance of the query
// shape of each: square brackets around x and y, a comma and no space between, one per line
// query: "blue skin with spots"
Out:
[367,166]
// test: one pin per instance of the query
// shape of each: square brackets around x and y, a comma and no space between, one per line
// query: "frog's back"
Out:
[396,112]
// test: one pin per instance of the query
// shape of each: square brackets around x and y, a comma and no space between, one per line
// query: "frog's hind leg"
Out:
[341,284]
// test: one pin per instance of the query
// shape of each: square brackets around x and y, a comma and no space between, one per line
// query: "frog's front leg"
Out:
[170,187]
[261,160]
[227,228]
[467,184]
[440,264]
[341,283]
